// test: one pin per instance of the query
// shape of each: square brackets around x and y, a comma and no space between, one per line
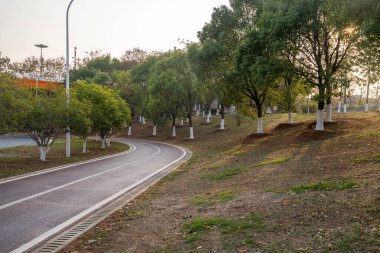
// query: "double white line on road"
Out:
[76,181]
[88,211]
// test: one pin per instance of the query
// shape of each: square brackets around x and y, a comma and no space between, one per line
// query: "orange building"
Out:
[39,84]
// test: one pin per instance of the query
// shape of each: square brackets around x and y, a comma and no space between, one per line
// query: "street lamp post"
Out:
[41,46]
[67,78]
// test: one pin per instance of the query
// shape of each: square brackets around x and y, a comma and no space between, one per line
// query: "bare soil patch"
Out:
[249,190]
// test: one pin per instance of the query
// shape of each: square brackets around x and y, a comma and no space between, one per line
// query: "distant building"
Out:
[39,84]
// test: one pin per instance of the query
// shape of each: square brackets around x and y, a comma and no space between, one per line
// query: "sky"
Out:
[112,26]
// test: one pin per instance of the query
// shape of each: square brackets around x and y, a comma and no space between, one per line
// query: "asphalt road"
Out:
[34,207]
[7,141]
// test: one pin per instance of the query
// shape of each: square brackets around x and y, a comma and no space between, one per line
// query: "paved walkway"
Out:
[8,141]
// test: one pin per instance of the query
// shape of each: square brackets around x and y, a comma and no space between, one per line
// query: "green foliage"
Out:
[208,200]
[14,103]
[312,107]
[225,174]
[275,161]
[254,221]
[325,186]
[108,110]
[374,158]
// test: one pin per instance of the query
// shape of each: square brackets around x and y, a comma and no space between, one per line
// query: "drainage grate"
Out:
[63,239]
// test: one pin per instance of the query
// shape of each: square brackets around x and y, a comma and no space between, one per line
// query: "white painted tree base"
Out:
[43,153]
[154,133]
[217,112]
[129,130]
[339,106]
[366,108]
[84,148]
[143,120]
[260,129]
[173,132]
[140,119]
[329,113]
[345,108]
[198,113]
[208,119]
[221,124]
[290,117]
[320,125]
[181,122]
[191,133]
[103,143]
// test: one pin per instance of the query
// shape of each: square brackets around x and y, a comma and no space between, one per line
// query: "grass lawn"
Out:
[290,190]
[26,158]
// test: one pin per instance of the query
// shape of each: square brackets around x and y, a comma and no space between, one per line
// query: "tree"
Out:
[14,103]
[33,67]
[259,69]
[44,119]
[318,36]
[79,119]
[109,110]
[367,63]
[165,91]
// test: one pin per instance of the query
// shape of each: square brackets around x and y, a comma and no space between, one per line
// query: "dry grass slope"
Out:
[292,190]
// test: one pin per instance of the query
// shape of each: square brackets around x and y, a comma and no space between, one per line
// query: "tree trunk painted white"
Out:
[203,114]
[366,108]
[140,119]
[173,132]
[84,149]
[208,119]
[43,153]
[209,113]
[143,120]
[97,138]
[345,108]
[329,112]
[103,143]
[108,141]
[269,110]
[187,120]
[191,133]
[222,124]
[217,112]
[198,113]
[339,106]
[378,105]
[320,126]
[260,129]
[290,117]
[129,130]
[181,122]
[154,130]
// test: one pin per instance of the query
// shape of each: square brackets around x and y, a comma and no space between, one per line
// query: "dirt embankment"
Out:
[291,190]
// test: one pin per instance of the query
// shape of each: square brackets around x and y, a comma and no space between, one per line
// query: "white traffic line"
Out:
[133,148]
[79,216]
[76,181]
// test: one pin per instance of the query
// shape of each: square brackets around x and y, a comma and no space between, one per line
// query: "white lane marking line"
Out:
[133,148]
[75,181]
[79,216]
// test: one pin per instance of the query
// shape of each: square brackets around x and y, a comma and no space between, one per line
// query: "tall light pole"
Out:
[67,78]
[41,46]
[75,58]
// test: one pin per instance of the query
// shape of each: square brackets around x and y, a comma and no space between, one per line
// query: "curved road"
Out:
[35,207]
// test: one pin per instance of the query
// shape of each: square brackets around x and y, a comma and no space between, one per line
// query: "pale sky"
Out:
[110,25]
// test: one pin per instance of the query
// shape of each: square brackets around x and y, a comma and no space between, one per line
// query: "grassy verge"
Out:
[325,186]
[25,159]
[233,195]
